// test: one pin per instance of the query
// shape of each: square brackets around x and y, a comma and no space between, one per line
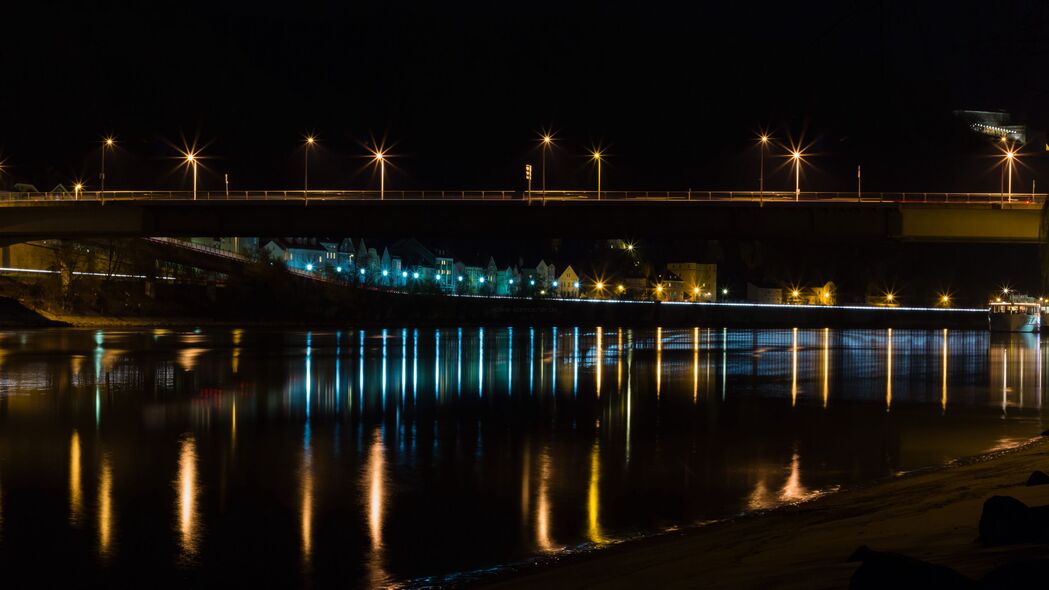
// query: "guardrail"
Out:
[1020,199]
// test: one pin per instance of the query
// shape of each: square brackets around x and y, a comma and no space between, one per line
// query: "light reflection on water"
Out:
[187,498]
[378,456]
[105,507]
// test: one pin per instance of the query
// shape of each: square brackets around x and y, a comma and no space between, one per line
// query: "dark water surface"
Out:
[384,457]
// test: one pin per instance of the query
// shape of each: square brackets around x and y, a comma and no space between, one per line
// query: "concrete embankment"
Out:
[473,310]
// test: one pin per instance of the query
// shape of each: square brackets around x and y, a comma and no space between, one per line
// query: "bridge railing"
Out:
[1018,199]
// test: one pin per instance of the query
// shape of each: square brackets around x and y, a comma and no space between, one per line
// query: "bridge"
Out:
[808,216]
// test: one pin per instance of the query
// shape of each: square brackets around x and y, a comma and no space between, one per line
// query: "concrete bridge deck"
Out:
[837,217]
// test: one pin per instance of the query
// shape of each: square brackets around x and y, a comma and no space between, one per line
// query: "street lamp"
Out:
[764,139]
[380,157]
[1010,157]
[547,142]
[311,140]
[191,160]
[596,154]
[107,144]
[796,156]
[77,189]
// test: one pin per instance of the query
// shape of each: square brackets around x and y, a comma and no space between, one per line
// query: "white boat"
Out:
[1015,316]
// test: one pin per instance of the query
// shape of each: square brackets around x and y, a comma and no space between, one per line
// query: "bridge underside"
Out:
[831,222]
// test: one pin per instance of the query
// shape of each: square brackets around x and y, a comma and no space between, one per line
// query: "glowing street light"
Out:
[380,157]
[764,143]
[311,140]
[1010,157]
[107,144]
[77,189]
[192,158]
[796,156]
[945,300]
[596,155]
[547,143]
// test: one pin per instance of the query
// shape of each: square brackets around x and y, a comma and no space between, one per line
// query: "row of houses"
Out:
[409,265]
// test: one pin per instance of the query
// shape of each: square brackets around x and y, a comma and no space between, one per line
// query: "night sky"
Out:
[674,92]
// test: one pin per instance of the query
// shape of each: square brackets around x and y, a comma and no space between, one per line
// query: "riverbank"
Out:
[371,309]
[929,515]
[282,299]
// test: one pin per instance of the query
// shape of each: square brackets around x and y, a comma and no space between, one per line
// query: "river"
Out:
[404,456]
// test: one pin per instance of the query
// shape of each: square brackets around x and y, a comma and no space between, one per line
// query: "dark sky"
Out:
[674,91]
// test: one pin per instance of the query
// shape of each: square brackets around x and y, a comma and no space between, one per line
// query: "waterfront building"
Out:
[387,277]
[475,279]
[824,295]
[669,287]
[756,294]
[568,283]
[538,278]
[310,254]
[491,272]
[633,287]
[697,275]
[362,254]
[506,282]
[373,261]
[444,267]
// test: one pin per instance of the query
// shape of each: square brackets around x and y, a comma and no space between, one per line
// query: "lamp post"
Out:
[796,156]
[107,144]
[380,157]
[764,139]
[191,160]
[547,142]
[310,141]
[1010,157]
[77,189]
[597,157]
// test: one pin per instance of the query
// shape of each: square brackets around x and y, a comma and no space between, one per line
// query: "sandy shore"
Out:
[931,516]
